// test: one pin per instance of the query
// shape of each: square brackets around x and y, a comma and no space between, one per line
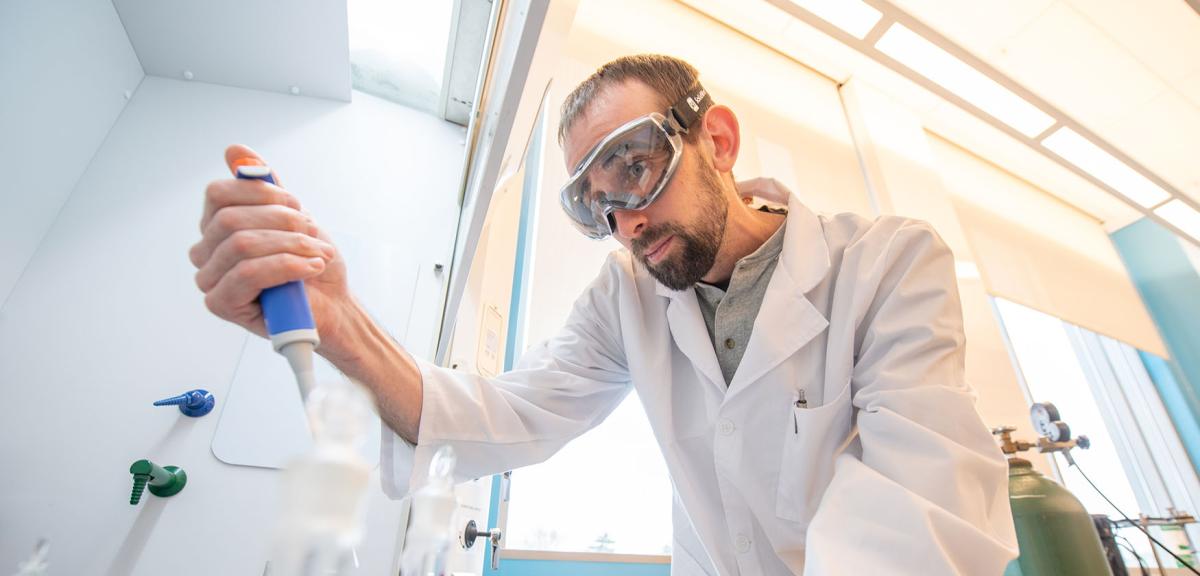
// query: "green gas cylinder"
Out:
[1055,533]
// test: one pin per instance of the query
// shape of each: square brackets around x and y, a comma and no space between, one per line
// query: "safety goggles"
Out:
[630,167]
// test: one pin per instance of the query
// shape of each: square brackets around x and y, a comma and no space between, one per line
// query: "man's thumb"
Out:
[240,155]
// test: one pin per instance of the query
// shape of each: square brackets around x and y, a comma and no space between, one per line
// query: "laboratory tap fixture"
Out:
[162,481]
[194,403]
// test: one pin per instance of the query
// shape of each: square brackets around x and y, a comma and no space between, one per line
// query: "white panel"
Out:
[1164,35]
[64,67]
[1076,67]
[1041,253]
[267,45]
[811,47]
[1190,88]
[985,141]
[894,152]
[979,27]
[107,319]
[772,26]
[1164,135]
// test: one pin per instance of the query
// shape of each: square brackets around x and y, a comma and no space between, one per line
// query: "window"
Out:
[606,492]
[1103,391]
[398,49]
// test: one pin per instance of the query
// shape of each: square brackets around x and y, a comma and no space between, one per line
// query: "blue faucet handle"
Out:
[194,403]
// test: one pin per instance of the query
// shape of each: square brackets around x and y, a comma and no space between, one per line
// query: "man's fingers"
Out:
[224,193]
[231,219]
[240,287]
[249,244]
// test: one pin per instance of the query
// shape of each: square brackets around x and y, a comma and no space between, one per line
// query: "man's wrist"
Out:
[344,344]
[364,351]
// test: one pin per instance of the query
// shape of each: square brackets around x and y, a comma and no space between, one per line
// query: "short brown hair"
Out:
[669,77]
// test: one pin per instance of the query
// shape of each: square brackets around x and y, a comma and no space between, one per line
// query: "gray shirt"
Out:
[730,313]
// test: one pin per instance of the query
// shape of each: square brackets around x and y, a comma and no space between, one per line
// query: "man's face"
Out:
[678,236]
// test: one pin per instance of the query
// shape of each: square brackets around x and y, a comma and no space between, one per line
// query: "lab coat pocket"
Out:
[814,436]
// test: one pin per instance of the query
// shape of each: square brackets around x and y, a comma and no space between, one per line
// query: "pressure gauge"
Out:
[1046,421]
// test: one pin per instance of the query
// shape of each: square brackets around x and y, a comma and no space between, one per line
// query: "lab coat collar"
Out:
[805,254]
[787,320]
[790,321]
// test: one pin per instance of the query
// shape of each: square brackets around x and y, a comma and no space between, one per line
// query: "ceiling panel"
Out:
[983,140]
[979,27]
[1164,135]
[1190,88]
[1164,35]
[268,45]
[1076,67]
[814,48]
[777,29]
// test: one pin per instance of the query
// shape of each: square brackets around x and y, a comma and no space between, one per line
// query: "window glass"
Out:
[398,49]
[608,491]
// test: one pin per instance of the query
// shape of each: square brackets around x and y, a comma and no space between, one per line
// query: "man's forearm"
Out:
[362,350]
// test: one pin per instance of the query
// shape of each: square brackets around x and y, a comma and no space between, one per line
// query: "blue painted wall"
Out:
[1170,287]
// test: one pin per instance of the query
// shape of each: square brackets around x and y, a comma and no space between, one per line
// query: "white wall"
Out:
[64,68]
[107,319]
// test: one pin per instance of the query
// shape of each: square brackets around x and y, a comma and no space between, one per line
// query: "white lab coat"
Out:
[889,470]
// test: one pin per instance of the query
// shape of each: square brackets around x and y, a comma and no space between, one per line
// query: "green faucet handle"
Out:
[163,481]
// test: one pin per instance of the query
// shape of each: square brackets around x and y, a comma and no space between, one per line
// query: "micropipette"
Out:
[285,307]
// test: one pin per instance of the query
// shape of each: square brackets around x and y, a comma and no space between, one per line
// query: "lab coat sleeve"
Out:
[560,389]
[929,493]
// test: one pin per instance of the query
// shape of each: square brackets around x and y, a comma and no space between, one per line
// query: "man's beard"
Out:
[698,246]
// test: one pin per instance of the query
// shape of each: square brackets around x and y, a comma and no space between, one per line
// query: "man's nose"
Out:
[630,223]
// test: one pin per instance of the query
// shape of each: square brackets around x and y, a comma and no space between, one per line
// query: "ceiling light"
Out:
[929,60]
[1181,216]
[852,16]
[1090,158]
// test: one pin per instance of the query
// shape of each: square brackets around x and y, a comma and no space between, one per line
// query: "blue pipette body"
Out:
[286,310]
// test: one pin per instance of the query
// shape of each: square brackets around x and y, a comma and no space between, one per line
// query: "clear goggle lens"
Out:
[625,171]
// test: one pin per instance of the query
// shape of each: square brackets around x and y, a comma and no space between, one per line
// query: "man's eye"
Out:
[637,169]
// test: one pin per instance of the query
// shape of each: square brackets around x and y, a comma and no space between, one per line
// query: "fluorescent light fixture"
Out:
[1092,159]
[929,60]
[1181,216]
[852,16]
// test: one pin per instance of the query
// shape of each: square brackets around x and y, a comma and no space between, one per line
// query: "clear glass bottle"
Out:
[323,490]
[431,524]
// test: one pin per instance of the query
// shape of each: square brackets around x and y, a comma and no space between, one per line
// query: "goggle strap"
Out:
[686,112]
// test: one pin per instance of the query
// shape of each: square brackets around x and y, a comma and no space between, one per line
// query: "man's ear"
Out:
[722,129]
